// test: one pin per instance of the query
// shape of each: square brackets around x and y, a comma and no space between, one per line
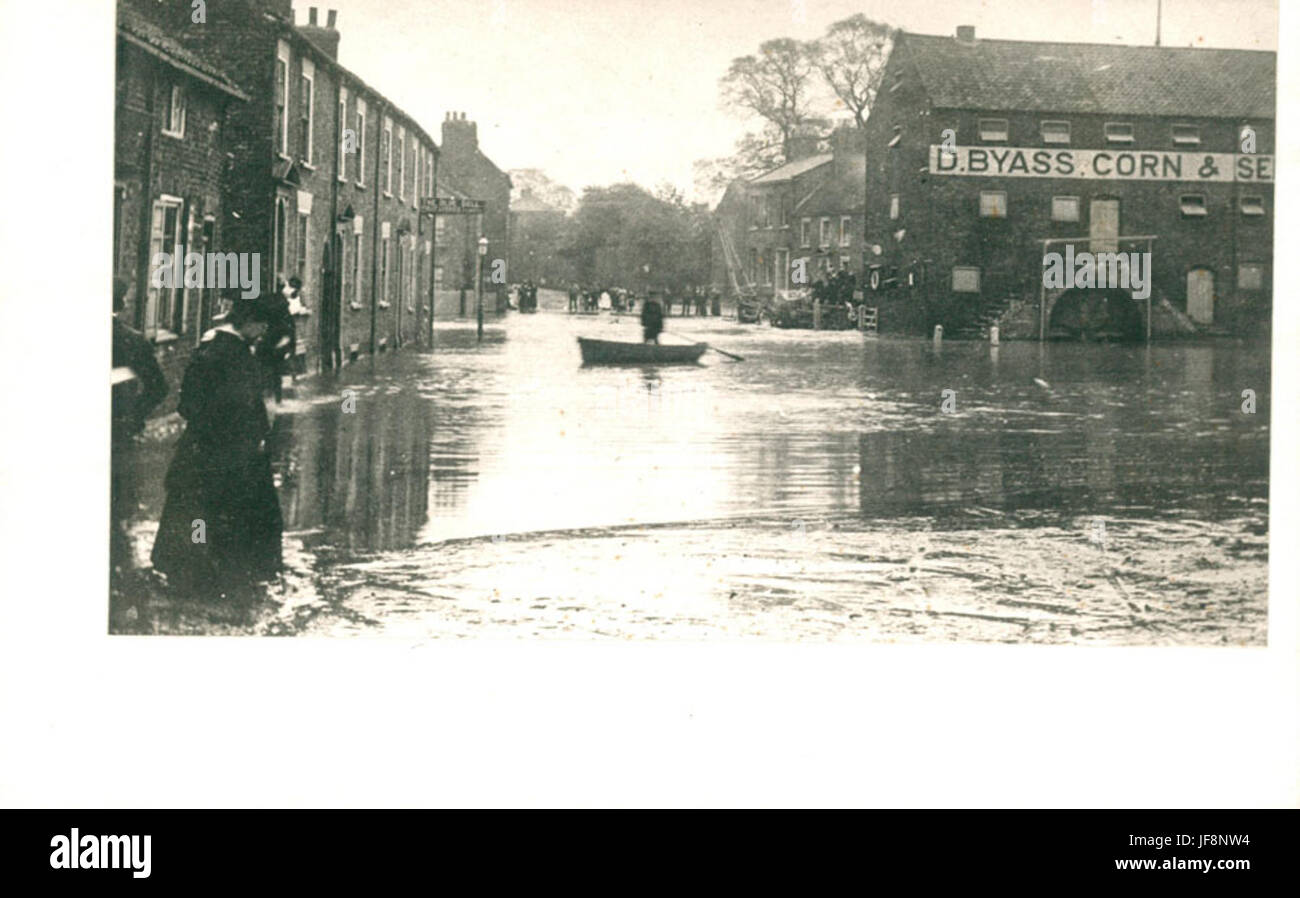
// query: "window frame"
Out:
[981,127]
[1111,137]
[846,225]
[361,141]
[343,128]
[401,162]
[307,103]
[175,93]
[302,245]
[1193,210]
[805,233]
[895,207]
[1192,141]
[1043,133]
[824,233]
[386,151]
[1258,267]
[160,299]
[1259,203]
[283,58]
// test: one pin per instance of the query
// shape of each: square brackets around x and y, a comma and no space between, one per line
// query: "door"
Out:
[1103,226]
[331,303]
[1200,295]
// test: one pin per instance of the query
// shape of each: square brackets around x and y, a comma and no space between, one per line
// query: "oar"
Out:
[730,355]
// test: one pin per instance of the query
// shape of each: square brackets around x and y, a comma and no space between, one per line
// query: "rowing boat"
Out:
[608,352]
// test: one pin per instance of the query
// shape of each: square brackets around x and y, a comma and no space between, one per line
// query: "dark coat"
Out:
[132,403]
[652,319]
[221,474]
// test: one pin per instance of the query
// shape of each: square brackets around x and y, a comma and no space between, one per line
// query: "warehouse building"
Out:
[988,157]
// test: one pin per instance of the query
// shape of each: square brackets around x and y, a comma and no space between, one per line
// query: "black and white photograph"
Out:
[965,337]
[891,332]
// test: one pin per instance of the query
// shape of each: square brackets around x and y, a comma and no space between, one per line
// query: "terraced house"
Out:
[169,173]
[321,175]
[986,156]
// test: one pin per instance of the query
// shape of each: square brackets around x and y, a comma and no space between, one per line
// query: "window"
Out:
[767,270]
[1119,132]
[993,204]
[383,272]
[897,136]
[358,240]
[1252,205]
[1250,276]
[1065,208]
[437,276]
[306,101]
[993,129]
[418,152]
[282,99]
[965,279]
[825,235]
[1192,205]
[1187,135]
[805,232]
[304,241]
[1056,132]
[164,237]
[895,210]
[174,112]
[845,262]
[846,235]
[401,163]
[753,264]
[281,235]
[361,142]
[386,154]
[343,127]
[439,227]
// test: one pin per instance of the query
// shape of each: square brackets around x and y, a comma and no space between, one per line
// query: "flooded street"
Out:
[817,490]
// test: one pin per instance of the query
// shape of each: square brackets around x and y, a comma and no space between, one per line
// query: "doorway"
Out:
[1200,295]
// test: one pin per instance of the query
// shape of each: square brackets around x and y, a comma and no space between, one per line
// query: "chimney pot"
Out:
[333,17]
[311,16]
[966,34]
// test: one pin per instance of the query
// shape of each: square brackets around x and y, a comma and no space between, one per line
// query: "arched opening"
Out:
[1107,314]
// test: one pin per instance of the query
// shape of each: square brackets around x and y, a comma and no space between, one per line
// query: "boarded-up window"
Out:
[1252,205]
[1187,135]
[965,279]
[1250,276]
[993,204]
[1065,208]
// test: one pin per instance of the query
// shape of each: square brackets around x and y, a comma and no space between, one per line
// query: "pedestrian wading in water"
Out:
[221,524]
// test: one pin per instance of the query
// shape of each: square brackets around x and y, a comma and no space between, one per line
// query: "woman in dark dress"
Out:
[221,525]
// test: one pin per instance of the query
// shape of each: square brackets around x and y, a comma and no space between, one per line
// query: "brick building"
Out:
[987,154]
[467,171]
[804,216]
[169,168]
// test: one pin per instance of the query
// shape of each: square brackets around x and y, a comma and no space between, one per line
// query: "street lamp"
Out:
[478,281]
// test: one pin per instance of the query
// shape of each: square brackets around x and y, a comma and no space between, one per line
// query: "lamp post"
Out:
[478,282]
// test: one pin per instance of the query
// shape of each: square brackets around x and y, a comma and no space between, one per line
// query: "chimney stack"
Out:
[965,34]
[327,37]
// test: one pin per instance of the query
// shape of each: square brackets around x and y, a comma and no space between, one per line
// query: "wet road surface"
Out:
[818,490]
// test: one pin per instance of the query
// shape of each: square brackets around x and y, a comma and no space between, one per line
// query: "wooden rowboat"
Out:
[607,352]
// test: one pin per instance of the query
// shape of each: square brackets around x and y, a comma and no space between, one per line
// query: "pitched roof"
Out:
[137,29]
[792,170]
[1081,78]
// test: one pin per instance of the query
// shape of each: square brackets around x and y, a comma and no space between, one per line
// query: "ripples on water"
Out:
[814,490]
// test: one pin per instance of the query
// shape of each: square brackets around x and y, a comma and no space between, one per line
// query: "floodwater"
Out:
[818,490]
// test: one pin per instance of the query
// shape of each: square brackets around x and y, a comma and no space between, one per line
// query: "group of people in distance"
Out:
[690,300]
[220,531]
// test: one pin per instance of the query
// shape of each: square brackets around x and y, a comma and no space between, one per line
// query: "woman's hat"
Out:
[257,309]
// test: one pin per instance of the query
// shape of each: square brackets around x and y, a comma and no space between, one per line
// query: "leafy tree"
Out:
[775,85]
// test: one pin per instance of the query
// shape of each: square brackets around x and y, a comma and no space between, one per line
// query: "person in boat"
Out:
[652,318]
[221,525]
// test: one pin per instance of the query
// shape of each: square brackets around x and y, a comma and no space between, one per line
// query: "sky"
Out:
[595,92]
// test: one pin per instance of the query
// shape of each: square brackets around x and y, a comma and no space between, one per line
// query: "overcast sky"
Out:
[600,91]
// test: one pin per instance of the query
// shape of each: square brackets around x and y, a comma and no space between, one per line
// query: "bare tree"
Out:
[851,58]
[776,86]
